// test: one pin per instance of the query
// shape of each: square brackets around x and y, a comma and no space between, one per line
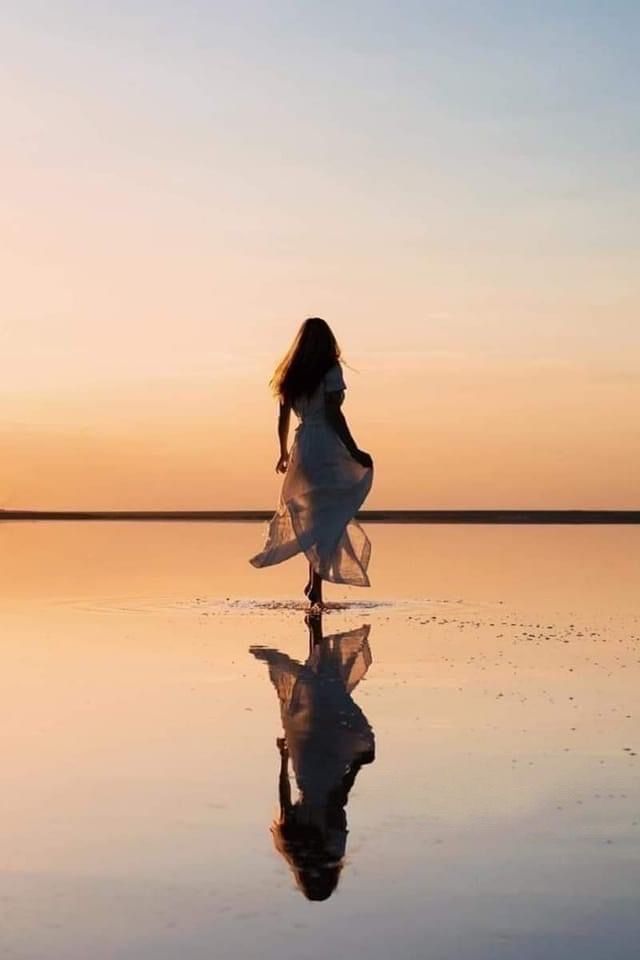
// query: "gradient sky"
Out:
[455,187]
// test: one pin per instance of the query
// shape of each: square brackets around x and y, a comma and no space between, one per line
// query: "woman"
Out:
[326,475]
[328,739]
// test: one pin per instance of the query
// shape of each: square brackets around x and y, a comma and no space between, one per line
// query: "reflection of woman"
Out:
[326,475]
[328,739]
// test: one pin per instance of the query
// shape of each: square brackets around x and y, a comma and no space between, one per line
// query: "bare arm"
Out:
[284,418]
[337,419]
[284,784]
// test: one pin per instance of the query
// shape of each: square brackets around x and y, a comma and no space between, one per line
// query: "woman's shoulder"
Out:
[334,379]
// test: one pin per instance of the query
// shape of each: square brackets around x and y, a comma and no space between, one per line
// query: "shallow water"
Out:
[500,817]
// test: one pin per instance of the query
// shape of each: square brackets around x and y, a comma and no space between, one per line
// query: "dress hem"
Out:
[262,559]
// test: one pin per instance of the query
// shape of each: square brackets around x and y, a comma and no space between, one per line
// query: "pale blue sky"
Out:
[471,170]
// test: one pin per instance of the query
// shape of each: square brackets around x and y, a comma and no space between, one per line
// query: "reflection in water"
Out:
[328,739]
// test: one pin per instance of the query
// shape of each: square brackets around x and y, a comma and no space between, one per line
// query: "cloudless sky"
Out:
[454,186]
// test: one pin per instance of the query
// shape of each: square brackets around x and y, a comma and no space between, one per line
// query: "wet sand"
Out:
[500,817]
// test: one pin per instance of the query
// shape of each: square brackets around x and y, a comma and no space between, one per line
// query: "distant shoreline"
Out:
[367,516]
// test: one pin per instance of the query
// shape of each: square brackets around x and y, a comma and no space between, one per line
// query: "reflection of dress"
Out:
[321,492]
[327,733]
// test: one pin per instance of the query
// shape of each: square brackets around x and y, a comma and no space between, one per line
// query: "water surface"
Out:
[498,817]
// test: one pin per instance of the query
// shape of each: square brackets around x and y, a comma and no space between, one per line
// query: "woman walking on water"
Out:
[326,476]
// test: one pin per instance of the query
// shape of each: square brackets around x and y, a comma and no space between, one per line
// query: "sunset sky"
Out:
[454,187]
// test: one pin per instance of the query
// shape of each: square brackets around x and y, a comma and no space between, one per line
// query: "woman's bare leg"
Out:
[307,589]
[315,593]
[313,621]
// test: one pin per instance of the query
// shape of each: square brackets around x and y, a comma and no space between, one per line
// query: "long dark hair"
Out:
[315,868]
[316,856]
[313,352]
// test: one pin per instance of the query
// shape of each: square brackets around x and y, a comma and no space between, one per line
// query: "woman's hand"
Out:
[363,458]
[283,463]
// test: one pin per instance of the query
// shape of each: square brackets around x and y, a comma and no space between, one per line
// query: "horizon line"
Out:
[578,516]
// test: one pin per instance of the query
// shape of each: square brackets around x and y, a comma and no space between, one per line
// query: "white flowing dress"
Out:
[321,492]
[327,733]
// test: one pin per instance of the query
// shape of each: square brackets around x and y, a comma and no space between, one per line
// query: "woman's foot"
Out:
[315,610]
[315,593]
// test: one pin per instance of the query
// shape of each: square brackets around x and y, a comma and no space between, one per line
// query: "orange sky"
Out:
[445,432]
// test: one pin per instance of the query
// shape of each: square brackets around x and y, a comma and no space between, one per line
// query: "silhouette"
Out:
[328,739]
[327,476]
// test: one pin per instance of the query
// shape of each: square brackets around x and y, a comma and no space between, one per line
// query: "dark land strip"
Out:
[367,516]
